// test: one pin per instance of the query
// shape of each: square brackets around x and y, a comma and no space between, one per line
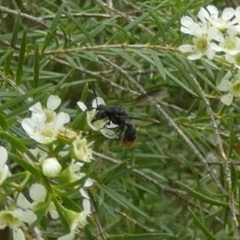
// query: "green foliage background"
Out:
[164,186]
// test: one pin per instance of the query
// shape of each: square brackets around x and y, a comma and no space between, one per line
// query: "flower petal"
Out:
[195,56]
[22,202]
[228,14]
[53,102]
[54,214]
[186,48]
[203,14]
[98,101]
[29,125]
[82,106]
[37,192]
[4,172]
[3,156]
[69,236]
[216,47]
[18,234]
[36,108]
[61,119]
[186,23]
[213,11]
[227,99]
[89,182]
[27,216]
[86,205]
[224,86]
[83,193]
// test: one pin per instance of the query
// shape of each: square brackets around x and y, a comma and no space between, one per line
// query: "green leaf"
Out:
[143,55]
[36,66]
[201,225]
[53,27]
[234,177]
[114,172]
[145,236]
[81,27]
[15,142]
[7,64]
[21,58]
[3,122]
[85,93]
[40,92]
[127,57]
[25,165]
[158,63]
[161,32]
[15,30]
[6,56]
[204,198]
[118,198]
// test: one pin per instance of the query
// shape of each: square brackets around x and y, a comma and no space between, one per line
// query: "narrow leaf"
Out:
[81,27]
[234,177]
[21,58]
[202,197]
[24,164]
[127,57]
[158,63]
[53,27]
[36,66]
[200,224]
[16,143]
[15,30]
[3,122]
[120,199]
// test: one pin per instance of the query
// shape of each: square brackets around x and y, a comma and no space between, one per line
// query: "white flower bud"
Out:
[51,167]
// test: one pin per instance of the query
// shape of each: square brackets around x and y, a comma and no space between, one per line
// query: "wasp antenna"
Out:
[94,92]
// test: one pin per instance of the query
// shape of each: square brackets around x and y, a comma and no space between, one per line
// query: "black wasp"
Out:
[116,115]
[126,131]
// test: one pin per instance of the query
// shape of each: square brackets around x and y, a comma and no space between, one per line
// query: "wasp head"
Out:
[101,113]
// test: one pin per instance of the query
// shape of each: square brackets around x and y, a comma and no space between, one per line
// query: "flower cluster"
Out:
[216,35]
[213,33]
[16,217]
[61,154]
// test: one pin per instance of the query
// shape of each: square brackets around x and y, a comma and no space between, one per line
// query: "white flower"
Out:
[45,132]
[45,124]
[232,87]
[82,149]
[73,173]
[211,15]
[76,220]
[230,44]
[202,43]
[91,114]
[4,170]
[38,194]
[14,219]
[103,125]
[51,167]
